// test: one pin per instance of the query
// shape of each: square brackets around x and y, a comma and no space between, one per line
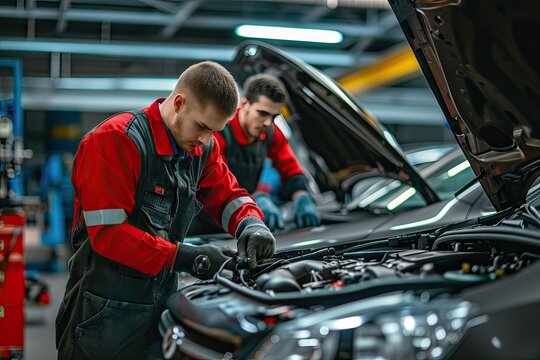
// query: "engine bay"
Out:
[467,255]
[245,305]
[335,272]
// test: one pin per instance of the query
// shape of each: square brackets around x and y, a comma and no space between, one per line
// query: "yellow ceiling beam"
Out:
[391,68]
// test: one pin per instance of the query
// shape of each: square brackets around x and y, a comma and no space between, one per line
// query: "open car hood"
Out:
[345,142]
[480,58]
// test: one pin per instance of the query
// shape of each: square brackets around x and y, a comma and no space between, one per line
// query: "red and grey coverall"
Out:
[134,200]
[245,160]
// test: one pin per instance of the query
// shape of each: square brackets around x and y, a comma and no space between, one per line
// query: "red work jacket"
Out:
[105,175]
[280,152]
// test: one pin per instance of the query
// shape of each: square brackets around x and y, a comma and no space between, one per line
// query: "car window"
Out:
[421,156]
[369,191]
[451,178]
[384,195]
[402,198]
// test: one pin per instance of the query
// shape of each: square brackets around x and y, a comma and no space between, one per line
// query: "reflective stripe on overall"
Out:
[111,310]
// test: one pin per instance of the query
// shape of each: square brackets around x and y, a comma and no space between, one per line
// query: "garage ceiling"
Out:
[97,55]
[155,37]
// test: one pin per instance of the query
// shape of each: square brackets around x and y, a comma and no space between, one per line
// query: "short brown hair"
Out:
[264,84]
[210,82]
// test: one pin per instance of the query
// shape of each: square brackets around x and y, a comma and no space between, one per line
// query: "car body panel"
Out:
[510,310]
[481,62]
[489,312]
[364,226]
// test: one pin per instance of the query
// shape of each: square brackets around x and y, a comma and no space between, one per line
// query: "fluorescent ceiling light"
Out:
[458,168]
[308,242]
[401,198]
[378,194]
[345,324]
[289,33]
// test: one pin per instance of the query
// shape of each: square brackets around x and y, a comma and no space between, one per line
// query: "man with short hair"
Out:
[138,179]
[251,136]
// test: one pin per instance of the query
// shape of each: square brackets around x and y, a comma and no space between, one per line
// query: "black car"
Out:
[467,290]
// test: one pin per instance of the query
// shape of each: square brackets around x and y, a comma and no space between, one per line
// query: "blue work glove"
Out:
[272,214]
[305,212]
[256,242]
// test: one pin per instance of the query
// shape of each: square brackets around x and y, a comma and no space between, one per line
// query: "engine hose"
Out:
[290,277]
[349,293]
[508,235]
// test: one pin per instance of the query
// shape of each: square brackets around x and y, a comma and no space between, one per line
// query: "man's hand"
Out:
[305,211]
[272,215]
[256,242]
[202,261]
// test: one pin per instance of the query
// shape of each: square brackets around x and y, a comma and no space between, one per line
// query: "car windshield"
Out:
[446,176]
[421,156]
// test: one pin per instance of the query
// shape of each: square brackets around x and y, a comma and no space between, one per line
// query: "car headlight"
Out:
[389,327]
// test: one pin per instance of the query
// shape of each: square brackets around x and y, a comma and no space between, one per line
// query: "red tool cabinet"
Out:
[11,283]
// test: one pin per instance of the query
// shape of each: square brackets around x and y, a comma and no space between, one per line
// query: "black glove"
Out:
[272,214]
[256,242]
[202,261]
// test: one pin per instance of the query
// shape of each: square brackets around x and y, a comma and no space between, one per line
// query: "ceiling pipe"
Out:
[176,51]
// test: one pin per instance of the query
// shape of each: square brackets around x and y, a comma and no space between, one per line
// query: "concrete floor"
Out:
[39,325]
